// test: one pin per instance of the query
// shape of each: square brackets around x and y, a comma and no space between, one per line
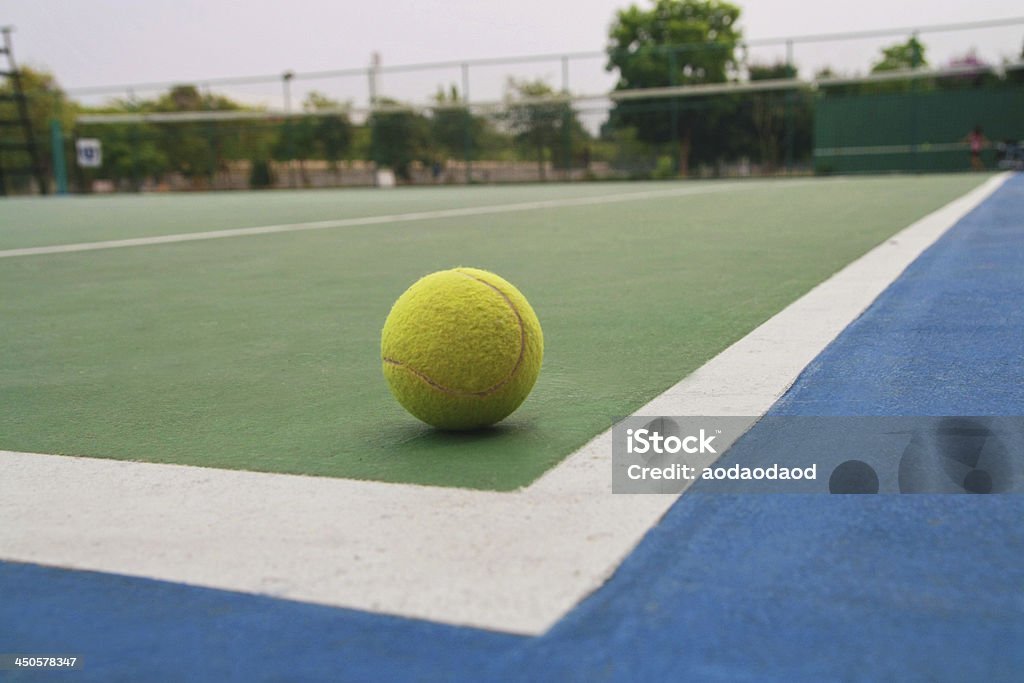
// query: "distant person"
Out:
[977,141]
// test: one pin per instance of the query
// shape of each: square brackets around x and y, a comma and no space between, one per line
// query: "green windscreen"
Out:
[923,128]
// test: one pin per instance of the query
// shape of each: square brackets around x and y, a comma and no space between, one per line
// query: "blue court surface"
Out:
[726,587]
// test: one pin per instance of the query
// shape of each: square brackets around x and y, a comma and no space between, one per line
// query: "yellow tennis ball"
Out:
[461,349]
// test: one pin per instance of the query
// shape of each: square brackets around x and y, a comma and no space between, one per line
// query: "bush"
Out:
[260,175]
[665,168]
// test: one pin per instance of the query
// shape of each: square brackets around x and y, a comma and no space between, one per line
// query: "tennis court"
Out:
[777,257]
[260,351]
[228,349]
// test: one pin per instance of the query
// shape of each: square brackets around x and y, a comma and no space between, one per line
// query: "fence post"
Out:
[790,102]
[135,144]
[371,117]
[915,62]
[467,152]
[60,171]
[566,122]
[674,117]
[289,151]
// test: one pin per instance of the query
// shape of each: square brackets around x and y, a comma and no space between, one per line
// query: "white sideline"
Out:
[513,562]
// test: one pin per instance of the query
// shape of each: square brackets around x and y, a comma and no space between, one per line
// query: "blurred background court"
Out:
[693,98]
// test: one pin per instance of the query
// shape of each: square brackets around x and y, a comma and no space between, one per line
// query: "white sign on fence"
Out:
[90,152]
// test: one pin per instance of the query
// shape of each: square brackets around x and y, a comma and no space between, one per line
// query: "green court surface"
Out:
[262,352]
[31,223]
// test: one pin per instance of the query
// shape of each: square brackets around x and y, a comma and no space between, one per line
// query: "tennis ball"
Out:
[461,349]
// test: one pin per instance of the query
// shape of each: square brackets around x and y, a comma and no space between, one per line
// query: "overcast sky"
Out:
[108,42]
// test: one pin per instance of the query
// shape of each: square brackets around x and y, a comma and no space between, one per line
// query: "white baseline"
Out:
[513,562]
[461,212]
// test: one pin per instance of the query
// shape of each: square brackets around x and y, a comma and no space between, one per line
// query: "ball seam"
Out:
[502,382]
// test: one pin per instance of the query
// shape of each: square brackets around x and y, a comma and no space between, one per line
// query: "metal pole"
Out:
[789,103]
[915,61]
[211,166]
[286,82]
[60,172]
[467,153]
[566,122]
[135,143]
[372,79]
[674,118]
[790,100]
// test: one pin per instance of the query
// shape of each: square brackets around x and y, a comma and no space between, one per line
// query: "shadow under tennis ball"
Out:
[480,435]
[398,436]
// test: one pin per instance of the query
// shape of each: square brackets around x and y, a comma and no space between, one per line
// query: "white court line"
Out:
[386,219]
[512,562]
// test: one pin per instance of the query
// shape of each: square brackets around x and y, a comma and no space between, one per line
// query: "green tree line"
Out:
[663,43]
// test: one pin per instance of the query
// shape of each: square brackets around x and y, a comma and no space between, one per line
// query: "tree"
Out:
[195,150]
[674,42]
[782,120]
[540,124]
[454,129]
[908,55]
[326,136]
[46,102]
[295,141]
[130,153]
[189,98]
[332,132]
[399,136]
[1016,74]
[974,72]
[899,57]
